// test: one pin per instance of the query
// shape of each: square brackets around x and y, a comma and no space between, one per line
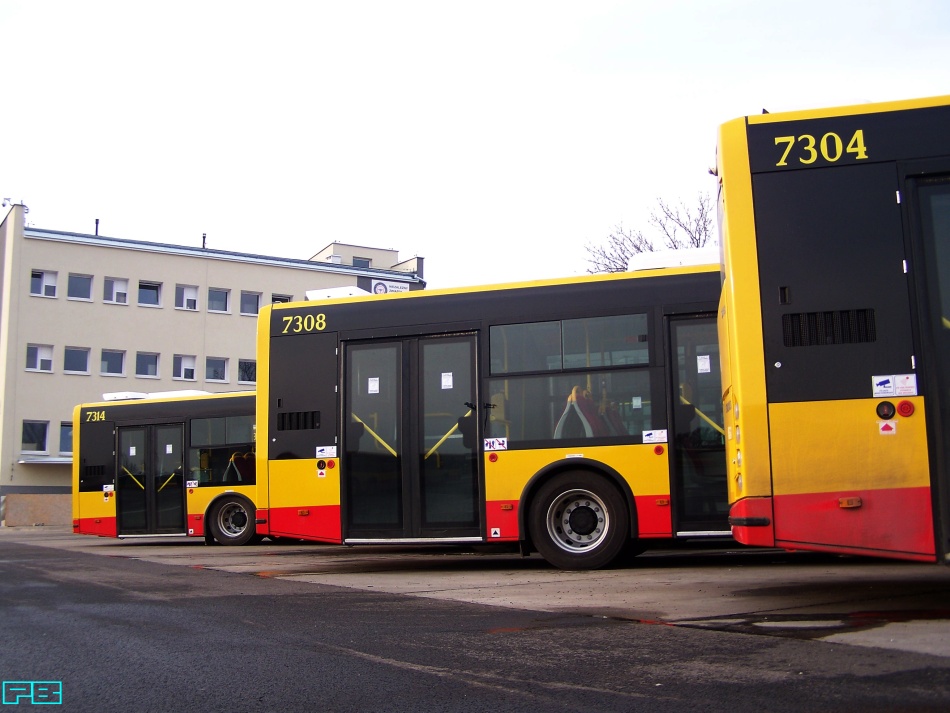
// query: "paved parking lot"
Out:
[855,601]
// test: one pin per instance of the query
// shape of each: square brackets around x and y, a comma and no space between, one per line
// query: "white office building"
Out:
[84,315]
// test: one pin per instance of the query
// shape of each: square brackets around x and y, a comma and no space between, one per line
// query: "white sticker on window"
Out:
[636,402]
[447,380]
[132,451]
[169,449]
[326,452]
[372,385]
[703,364]
[654,436]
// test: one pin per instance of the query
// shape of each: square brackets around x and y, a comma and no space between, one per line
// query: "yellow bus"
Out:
[172,465]
[579,418]
[834,327]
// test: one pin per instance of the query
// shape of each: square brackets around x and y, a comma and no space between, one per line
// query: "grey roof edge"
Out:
[215,254]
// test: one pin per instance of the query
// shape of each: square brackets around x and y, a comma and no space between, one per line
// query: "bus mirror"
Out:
[354,432]
[467,429]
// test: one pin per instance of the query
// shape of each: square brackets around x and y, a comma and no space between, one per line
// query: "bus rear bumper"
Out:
[752,522]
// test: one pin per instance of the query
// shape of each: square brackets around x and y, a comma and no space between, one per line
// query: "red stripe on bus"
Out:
[757,510]
[318,522]
[102,526]
[654,516]
[895,522]
[501,520]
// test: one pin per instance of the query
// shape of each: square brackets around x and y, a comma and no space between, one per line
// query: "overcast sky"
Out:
[494,139]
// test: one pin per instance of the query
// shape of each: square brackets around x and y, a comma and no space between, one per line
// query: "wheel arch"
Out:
[565,465]
[221,496]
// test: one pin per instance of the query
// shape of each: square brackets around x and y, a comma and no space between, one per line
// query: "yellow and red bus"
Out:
[171,465]
[834,326]
[579,418]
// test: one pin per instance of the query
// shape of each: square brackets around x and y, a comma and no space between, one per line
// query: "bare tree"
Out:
[678,227]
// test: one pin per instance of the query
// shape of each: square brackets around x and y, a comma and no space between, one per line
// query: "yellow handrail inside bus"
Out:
[167,482]
[375,435]
[443,439]
[704,417]
[133,478]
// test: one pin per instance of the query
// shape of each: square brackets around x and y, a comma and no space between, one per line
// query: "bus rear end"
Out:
[833,386]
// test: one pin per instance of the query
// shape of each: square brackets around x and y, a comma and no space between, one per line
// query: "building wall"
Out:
[59,322]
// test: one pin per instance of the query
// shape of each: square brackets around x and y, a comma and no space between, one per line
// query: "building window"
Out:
[112,363]
[362,262]
[218,300]
[150,294]
[186,297]
[76,360]
[250,302]
[39,357]
[66,437]
[34,436]
[146,364]
[43,283]
[79,287]
[247,371]
[216,369]
[281,299]
[183,367]
[115,291]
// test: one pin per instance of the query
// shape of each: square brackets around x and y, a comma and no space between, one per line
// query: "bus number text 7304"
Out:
[830,146]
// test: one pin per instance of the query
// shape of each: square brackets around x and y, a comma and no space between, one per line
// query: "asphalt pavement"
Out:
[856,601]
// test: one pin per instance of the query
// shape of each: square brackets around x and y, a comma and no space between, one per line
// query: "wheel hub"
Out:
[578,520]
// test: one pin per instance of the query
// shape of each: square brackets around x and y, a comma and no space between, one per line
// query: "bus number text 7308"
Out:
[304,323]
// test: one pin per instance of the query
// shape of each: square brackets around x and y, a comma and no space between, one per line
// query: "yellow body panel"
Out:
[200,498]
[646,472]
[261,406]
[75,467]
[850,110]
[748,464]
[830,446]
[95,504]
[300,482]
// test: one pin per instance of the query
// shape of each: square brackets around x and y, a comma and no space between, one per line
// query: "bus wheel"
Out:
[231,521]
[579,521]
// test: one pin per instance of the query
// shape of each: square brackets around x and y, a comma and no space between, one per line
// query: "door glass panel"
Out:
[130,481]
[448,474]
[698,440]
[934,206]
[167,480]
[373,437]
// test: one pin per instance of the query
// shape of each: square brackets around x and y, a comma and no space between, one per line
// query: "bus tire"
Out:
[579,521]
[231,521]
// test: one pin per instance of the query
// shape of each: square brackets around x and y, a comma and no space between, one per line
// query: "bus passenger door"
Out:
[150,493]
[930,207]
[410,465]
[697,443]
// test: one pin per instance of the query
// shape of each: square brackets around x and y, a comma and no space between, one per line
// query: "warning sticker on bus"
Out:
[894,385]
[496,444]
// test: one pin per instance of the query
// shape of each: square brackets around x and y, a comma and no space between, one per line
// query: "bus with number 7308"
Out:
[579,418]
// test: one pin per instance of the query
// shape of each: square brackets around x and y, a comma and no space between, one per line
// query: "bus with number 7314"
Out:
[174,464]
